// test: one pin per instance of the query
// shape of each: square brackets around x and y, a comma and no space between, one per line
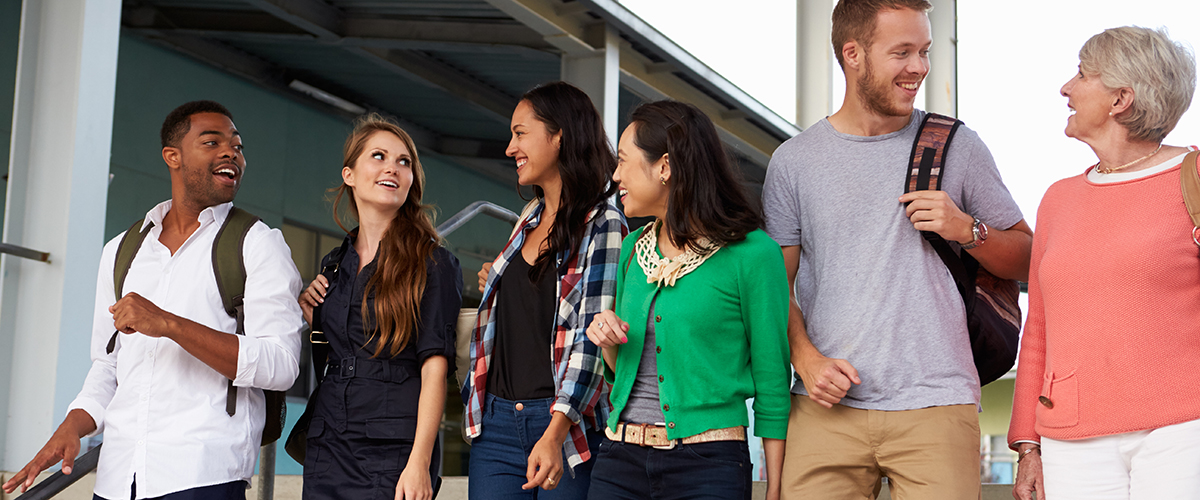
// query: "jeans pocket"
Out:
[728,453]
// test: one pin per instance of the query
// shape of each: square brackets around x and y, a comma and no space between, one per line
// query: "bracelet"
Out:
[1031,449]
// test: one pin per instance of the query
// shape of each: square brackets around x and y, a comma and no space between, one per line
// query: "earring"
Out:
[663,180]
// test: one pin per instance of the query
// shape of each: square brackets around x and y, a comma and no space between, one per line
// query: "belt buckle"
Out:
[670,442]
[346,367]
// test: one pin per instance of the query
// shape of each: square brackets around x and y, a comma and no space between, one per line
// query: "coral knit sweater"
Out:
[1113,335]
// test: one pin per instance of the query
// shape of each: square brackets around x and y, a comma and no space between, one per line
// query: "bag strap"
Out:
[1190,183]
[320,345]
[126,250]
[925,168]
[229,268]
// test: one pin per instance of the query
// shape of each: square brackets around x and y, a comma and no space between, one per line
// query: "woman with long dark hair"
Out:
[700,324]
[388,313]
[534,397]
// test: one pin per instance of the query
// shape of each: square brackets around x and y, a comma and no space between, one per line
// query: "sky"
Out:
[1012,60]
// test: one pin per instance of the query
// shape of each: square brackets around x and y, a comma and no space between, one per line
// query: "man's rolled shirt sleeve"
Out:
[269,352]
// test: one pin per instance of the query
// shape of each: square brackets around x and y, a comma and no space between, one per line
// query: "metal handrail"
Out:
[27,253]
[87,462]
[58,481]
[478,208]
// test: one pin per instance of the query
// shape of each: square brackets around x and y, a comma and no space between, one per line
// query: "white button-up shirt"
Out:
[162,411]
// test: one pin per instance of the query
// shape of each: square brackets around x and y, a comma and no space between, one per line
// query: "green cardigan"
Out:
[721,333]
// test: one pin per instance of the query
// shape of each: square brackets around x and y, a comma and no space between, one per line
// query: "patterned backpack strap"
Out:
[126,250]
[1190,183]
[928,152]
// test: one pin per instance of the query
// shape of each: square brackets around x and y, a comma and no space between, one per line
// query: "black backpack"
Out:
[993,314]
[230,273]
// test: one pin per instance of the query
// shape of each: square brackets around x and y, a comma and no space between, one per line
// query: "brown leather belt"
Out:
[656,436]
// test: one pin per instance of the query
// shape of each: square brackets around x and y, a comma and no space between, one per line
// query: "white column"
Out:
[598,72]
[814,61]
[57,196]
[941,86]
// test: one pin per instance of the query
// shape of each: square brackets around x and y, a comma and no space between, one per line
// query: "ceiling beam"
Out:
[428,71]
[313,16]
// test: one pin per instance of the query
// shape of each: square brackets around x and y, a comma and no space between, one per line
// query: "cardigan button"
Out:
[658,350]
[660,378]
[658,319]
[1045,401]
[666,407]
[671,425]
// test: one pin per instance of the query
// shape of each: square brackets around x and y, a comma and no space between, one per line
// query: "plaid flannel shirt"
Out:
[587,285]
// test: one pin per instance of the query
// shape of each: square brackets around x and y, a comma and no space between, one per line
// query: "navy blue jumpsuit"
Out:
[365,418]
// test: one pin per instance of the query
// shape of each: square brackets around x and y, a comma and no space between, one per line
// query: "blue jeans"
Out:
[500,455]
[719,470]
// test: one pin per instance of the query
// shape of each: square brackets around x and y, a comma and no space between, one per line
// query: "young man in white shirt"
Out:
[160,396]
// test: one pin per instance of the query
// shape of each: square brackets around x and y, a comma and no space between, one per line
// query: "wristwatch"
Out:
[979,231]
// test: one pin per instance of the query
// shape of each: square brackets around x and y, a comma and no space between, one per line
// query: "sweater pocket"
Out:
[1058,405]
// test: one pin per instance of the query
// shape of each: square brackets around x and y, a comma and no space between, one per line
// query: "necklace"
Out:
[1114,169]
[666,271]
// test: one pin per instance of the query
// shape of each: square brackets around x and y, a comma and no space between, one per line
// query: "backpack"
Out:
[1189,181]
[993,314]
[230,273]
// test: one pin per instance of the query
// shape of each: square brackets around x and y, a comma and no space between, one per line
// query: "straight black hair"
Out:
[586,163]
[705,197]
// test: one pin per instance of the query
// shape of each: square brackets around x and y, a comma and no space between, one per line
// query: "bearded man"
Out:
[886,385]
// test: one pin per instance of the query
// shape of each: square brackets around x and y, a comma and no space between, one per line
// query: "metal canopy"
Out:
[451,71]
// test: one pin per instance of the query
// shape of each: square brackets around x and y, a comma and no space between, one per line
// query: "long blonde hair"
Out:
[399,280]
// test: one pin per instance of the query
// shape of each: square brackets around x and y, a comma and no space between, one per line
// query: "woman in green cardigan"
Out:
[700,322]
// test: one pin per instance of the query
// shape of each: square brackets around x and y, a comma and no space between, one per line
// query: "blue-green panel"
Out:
[10,31]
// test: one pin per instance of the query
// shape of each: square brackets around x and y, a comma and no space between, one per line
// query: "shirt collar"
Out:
[215,214]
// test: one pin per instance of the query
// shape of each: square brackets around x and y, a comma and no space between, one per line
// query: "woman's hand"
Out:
[313,296]
[545,461]
[1029,475]
[607,330]
[483,274]
[414,482]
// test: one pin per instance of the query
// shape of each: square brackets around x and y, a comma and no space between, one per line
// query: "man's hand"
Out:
[1029,475]
[826,379]
[135,314]
[935,211]
[63,446]
[483,274]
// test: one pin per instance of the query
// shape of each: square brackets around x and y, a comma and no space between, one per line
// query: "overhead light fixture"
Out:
[326,97]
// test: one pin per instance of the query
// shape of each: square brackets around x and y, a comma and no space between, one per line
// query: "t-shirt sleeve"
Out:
[439,307]
[984,194]
[781,205]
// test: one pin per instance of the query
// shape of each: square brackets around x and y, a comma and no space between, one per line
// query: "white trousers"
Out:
[1158,464]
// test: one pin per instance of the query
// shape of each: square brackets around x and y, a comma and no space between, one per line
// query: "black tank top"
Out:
[521,358]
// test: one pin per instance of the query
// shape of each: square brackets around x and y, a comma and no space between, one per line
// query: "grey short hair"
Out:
[1161,72]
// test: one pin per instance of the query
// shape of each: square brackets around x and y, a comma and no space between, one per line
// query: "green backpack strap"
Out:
[126,251]
[229,268]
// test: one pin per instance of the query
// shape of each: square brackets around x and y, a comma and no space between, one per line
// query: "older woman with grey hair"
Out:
[1107,400]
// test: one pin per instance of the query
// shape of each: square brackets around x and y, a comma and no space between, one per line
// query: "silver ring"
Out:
[602,323]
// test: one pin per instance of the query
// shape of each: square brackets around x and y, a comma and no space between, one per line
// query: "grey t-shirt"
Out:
[872,291]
